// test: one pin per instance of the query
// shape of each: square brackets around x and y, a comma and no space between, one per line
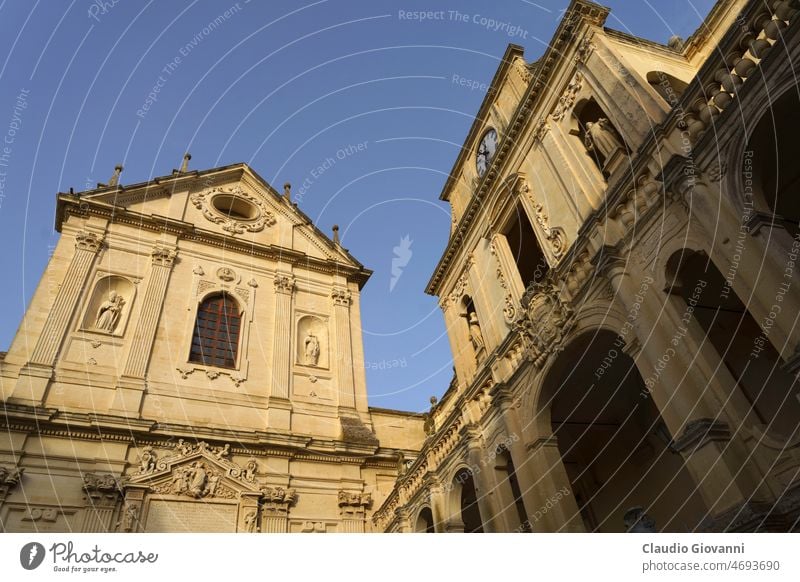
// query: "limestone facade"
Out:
[119,416]
[619,289]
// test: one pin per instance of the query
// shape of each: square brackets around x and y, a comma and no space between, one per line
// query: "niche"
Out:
[312,342]
[109,306]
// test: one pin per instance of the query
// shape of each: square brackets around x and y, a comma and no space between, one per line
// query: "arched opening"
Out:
[598,136]
[528,256]
[738,339]
[612,441]
[215,341]
[468,502]
[669,87]
[774,147]
[424,521]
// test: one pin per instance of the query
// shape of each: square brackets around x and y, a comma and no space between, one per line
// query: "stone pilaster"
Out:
[130,387]
[484,488]
[438,505]
[101,495]
[87,245]
[345,383]
[130,519]
[353,510]
[281,354]
[275,505]
[36,374]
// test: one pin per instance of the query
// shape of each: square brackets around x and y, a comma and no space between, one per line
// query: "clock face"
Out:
[486,150]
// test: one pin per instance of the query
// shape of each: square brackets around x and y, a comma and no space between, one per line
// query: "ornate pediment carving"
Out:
[195,470]
[545,322]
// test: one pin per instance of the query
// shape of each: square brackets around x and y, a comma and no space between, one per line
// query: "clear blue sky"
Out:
[282,86]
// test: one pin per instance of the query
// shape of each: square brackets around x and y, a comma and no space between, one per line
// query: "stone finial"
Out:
[114,180]
[336,240]
[675,42]
[287,191]
[185,165]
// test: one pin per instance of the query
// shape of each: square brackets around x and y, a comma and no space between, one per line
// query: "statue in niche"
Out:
[109,312]
[475,333]
[130,518]
[601,138]
[311,344]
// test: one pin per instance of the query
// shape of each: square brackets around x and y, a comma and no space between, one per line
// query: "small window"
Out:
[216,332]
[234,208]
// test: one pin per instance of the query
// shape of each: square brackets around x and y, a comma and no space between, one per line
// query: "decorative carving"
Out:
[226,274]
[554,235]
[263,217]
[253,283]
[509,309]
[88,241]
[250,470]
[42,513]
[459,288]
[354,499]
[147,461]
[163,256]
[584,50]
[244,294]
[10,477]
[540,129]
[284,283]
[97,483]
[236,378]
[198,270]
[341,296]
[717,171]
[130,518]
[546,321]
[521,67]
[279,495]
[108,314]
[567,99]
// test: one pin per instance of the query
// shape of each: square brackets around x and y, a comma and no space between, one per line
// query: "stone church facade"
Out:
[618,290]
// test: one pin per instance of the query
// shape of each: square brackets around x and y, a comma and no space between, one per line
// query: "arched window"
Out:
[216,332]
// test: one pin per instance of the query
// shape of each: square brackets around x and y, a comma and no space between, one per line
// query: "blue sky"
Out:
[283,86]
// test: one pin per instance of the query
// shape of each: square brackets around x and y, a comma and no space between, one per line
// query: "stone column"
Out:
[531,486]
[484,486]
[552,507]
[353,510]
[344,349]
[36,374]
[102,495]
[275,509]
[131,385]
[758,261]
[438,507]
[706,397]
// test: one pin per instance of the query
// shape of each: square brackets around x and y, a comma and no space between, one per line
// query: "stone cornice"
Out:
[71,204]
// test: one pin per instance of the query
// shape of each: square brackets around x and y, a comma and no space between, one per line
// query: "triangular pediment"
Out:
[195,471]
[231,201]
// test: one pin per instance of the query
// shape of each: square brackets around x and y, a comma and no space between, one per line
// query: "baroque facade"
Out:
[619,295]
[619,289]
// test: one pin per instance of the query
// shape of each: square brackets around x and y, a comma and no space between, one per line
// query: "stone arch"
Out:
[424,520]
[612,443]
[735,156]
[109,306]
